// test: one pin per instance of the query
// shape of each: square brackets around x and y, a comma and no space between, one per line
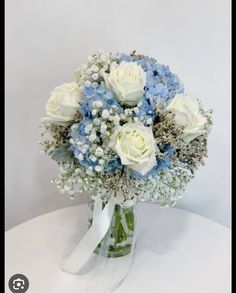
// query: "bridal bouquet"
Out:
[124,130]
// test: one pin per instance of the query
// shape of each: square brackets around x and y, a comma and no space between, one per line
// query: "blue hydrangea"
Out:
[161,164]
[145,110]
[78,131]
[113,165]
[100,93]
[162,84]
[79,128]
[126,58]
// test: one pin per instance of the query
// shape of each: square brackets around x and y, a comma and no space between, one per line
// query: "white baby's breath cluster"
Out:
[168,186]
[125,127]
[100,128]
[92,72]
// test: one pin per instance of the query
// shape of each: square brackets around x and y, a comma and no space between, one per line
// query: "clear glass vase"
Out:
[119,239]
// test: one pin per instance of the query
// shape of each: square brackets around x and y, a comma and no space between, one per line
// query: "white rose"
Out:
[63,103]
[135,145]
[127,80]
[187,114]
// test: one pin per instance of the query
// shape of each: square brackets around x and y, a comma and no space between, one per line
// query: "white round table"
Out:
[177,252]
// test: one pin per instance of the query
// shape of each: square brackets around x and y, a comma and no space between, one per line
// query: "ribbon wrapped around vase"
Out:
[101,223]
[108,272]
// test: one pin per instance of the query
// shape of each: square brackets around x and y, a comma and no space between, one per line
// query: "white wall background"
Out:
[47,40]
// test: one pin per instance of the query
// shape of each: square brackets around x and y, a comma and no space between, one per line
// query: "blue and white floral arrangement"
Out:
[126,129]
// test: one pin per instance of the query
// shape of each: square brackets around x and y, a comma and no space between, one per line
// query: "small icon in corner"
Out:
[18,283]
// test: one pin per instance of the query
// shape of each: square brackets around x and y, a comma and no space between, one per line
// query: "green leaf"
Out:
[62,154]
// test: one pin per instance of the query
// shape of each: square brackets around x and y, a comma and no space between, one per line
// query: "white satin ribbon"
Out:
[97,208]
[101,223]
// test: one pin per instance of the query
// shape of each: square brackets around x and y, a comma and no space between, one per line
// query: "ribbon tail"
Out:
[92,238]
[97,208]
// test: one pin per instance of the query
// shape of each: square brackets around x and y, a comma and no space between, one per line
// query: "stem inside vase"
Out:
[119,238]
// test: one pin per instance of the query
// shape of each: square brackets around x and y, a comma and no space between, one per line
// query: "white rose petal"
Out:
[63,104]
[127,80]
[136,146]
[187,114]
